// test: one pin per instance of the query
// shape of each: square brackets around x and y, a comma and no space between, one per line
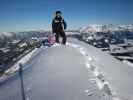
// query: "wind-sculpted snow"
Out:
[76,71]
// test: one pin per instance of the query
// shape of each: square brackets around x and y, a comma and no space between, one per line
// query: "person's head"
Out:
[58,13]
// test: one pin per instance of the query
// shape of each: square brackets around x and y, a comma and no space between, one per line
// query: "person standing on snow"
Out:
[58,27]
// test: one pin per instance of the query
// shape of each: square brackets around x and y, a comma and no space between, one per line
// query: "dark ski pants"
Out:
[63,35]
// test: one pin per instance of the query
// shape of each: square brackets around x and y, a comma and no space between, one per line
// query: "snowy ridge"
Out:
[12,71]
[99,79]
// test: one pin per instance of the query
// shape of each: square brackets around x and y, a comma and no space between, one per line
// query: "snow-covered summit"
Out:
[76,71]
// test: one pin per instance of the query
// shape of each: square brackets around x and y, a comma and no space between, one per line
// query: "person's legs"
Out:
[63,35]
[57,37]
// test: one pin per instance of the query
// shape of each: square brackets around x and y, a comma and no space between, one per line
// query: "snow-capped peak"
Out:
[105,28]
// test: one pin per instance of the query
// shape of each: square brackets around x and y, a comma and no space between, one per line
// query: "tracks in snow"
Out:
[99,77]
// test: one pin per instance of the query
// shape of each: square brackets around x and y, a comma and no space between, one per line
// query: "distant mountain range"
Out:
[92,28]
[105,28]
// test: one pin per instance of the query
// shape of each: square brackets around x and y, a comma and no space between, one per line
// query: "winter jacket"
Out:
[58,25]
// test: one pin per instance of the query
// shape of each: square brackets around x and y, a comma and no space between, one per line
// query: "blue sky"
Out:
[23,15]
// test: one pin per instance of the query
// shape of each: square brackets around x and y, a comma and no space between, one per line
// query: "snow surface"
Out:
[76,71]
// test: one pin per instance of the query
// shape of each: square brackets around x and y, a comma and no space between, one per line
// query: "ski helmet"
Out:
[58,12]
